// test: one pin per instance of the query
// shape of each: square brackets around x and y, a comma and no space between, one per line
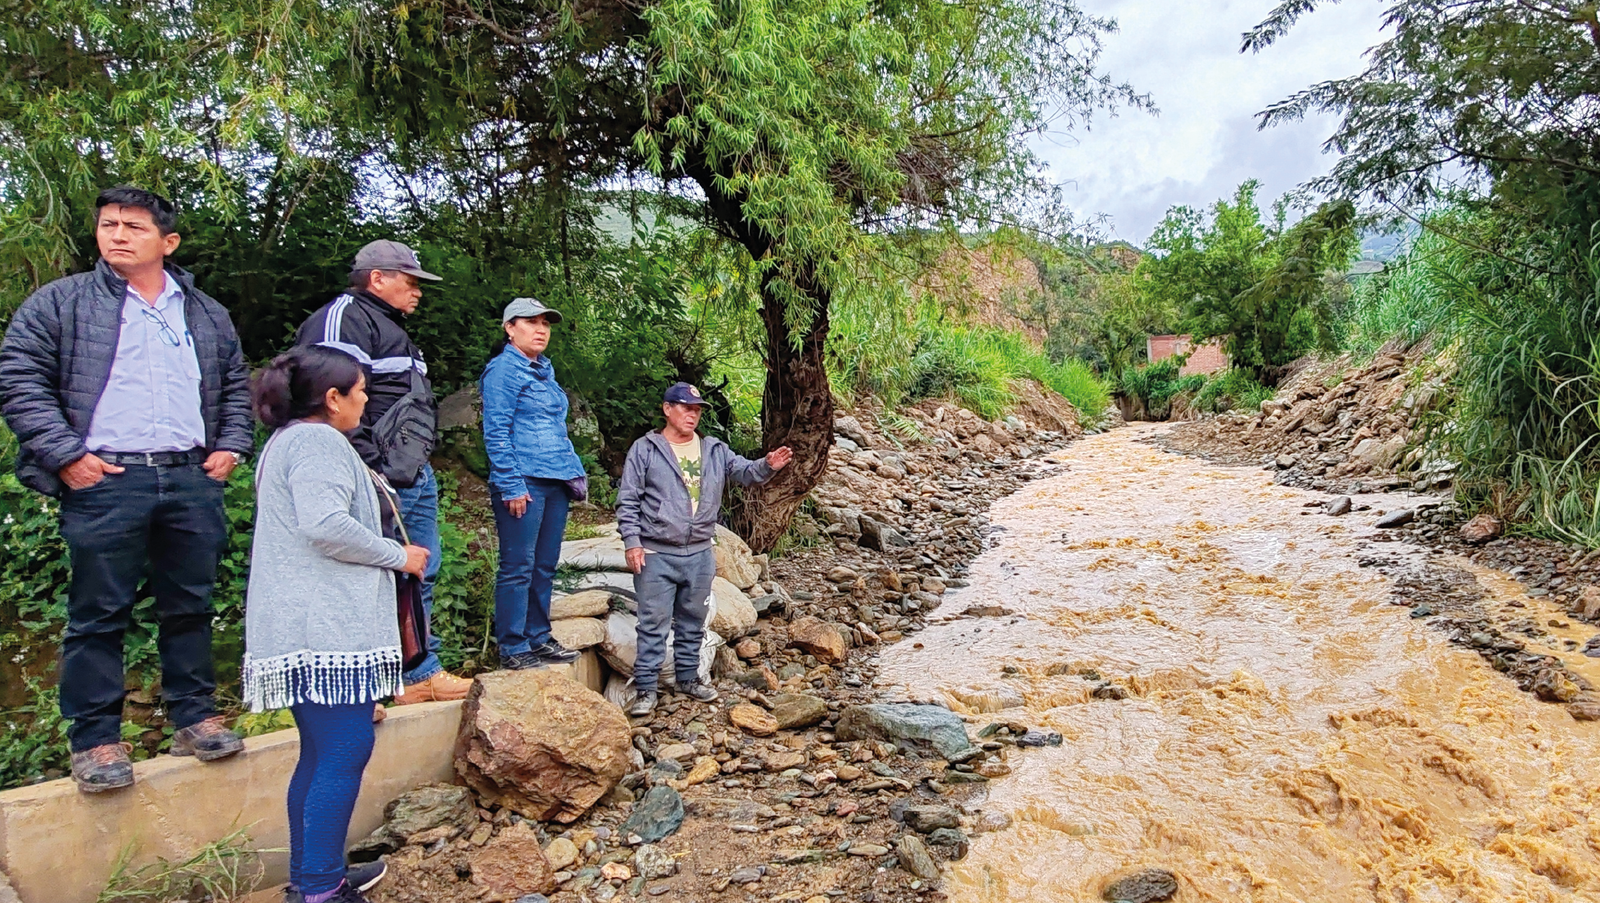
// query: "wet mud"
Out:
[1244,704]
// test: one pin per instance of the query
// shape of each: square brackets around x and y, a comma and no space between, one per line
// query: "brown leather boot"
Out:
[441,687]
[102,768]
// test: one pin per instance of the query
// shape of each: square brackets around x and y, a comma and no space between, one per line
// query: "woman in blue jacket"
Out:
[534,473]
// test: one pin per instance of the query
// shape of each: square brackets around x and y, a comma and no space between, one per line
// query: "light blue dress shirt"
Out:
[152,400]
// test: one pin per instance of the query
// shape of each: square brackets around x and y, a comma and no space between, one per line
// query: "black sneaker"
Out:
[363,876]
[644,705]
[697,691]
[522,661]
[555,653]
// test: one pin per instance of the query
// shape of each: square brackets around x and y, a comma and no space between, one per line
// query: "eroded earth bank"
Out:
[1241,703]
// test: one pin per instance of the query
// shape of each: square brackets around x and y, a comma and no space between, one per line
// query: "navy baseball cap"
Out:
[683,393]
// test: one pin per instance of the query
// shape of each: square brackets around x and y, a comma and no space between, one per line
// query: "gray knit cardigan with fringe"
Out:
[320,624]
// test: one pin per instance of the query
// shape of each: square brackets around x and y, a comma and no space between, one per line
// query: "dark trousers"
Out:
[335,743]
[166,521]
[672,591]
[530,549]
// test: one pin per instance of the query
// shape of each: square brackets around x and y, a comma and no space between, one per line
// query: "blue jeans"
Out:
[530,549]
[164,522]
[335,744]
[419,509]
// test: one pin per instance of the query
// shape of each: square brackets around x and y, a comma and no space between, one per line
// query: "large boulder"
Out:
[932,725]
[578,633]
[621,644]
[589,603]
[540,744]
[511,866]
[734,616]
[819,638]
[735,562]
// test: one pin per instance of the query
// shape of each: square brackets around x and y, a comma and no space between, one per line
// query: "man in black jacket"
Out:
[130,399]
[398,428]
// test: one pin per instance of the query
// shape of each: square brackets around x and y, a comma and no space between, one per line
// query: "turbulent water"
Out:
[1287,734]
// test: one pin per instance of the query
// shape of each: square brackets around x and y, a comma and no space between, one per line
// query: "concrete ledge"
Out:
[60,846]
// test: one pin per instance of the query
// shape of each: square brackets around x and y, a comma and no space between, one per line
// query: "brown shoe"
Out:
[441,687]
[207,740]
[102,768]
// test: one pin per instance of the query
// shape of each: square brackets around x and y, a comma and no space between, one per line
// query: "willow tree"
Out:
[807,129]
[224,105]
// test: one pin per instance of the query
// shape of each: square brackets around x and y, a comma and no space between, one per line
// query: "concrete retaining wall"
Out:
[61,846]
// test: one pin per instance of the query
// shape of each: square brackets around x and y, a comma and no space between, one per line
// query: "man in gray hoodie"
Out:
[668,507]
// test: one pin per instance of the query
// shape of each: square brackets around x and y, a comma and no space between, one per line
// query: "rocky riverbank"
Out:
[802,783]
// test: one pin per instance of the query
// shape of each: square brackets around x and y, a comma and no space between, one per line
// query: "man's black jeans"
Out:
[169,518]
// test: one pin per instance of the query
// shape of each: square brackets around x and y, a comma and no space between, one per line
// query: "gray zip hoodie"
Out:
[653,502]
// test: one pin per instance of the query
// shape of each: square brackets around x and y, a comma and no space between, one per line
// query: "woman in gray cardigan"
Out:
[321,634]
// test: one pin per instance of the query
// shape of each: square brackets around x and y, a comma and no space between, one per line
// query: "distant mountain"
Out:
[1391,243]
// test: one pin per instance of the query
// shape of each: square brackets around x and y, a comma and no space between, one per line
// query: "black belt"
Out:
[154,459]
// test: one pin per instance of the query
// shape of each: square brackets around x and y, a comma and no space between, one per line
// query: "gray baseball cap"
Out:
[393,256]
[528,307]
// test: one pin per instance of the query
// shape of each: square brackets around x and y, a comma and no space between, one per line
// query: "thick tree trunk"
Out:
[796,410]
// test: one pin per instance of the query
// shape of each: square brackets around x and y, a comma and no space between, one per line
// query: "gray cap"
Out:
[393,256]
[528,307]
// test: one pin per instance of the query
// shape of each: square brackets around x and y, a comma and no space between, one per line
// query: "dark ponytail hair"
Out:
[295,385]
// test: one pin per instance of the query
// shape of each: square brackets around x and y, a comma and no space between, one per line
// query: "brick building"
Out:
[1204,358]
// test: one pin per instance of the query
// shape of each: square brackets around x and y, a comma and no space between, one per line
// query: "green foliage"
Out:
[463,589]
[1268,292]
[33,737]
[1233,389]
[1152,387]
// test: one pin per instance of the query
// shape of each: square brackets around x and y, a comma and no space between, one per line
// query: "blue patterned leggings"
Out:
[335,744]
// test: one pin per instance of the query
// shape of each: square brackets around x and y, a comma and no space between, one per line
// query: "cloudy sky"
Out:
[1204,141]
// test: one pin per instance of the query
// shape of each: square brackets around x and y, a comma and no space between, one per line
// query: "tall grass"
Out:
[1523,421]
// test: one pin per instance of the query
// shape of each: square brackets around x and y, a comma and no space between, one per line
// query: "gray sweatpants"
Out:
[672,592]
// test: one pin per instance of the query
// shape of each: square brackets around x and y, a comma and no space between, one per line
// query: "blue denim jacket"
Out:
[525,423]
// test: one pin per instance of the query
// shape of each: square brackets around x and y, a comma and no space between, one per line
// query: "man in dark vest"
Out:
[399,426]
[130,399]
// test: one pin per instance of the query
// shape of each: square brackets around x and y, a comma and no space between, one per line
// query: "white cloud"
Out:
[1204,141]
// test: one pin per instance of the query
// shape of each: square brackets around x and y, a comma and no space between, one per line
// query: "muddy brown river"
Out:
[1287,735]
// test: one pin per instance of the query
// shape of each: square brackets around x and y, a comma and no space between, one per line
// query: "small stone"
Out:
[657,816]
[1553,686]
[1147,886]
[868,849]
[821,639]
[951,839]
[923,819]
[1396,519]
[534,898]
[841,574]
[784,761]
[482,835]
[679,752]
[753,720]
[848,773]
[745,875]
[1039,738]
[615,871]
[915,858]
[705,768]
[794,710]
[1339,507]
[1481,529]
[747,648]
[652,862]
[562,853]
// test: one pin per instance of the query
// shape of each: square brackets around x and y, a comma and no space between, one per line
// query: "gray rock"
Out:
[746,875]
[924,819]
[1397,519]
[658,815]
[534,898]
[427,807]
[796,710]
[915,858]
[951,838]
[1036,737]
[938,727]
[850,428]
[881,536]
[652,862]
[1339,507]
[1147,886]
